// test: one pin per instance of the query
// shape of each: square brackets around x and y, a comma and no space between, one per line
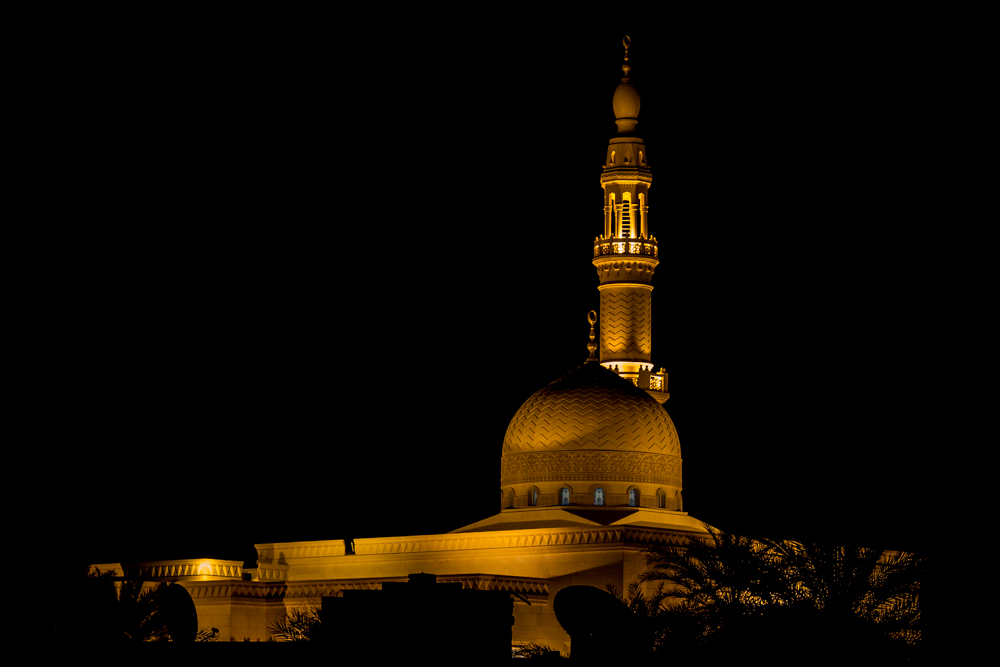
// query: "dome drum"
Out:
[618,467]
[545,473]
[582,493]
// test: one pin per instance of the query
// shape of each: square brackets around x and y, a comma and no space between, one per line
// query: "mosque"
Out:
[590,470]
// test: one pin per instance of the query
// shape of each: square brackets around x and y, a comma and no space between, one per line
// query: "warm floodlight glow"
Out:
[626,368]
[626,248]
[585,441]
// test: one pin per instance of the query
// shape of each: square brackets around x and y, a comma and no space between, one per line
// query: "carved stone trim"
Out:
[282,551]
[306,592]
[634,467]
[548,499]
[201,590]
[153,570]
[627,176]
[615,499]
[512,539]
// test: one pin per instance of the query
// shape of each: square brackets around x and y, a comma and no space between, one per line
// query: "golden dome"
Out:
[591,408]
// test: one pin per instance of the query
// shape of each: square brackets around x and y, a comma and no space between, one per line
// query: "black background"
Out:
[298,276]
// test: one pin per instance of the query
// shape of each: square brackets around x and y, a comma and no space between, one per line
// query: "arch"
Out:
[179,613]
[661,499]
[612,219]
[612,157]
[642,160]
[599,496]
[642,216]
[627,228]
[634,496]
[564,495]
[678,501]
[510,497]
[533,496]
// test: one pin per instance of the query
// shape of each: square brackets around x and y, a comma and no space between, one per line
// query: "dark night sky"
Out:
[312,277]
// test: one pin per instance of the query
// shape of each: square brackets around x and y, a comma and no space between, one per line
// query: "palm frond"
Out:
[299,624]
[722,580]
[531,650]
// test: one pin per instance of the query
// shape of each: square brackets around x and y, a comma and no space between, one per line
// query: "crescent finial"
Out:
[626,67]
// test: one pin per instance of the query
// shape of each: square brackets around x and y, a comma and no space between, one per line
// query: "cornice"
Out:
[302,590]
[277,552]
[626,177]
[544,537]
[178,569]
[624,283]
[203,590]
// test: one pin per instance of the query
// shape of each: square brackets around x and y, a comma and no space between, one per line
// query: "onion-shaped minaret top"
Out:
[626,99]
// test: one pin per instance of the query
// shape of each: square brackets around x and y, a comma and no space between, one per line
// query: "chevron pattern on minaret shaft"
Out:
[591,408]
[626,323]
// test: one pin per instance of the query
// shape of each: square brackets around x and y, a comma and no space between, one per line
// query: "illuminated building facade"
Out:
[590,467]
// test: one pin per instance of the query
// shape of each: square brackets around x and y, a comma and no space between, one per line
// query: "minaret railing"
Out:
[625,246]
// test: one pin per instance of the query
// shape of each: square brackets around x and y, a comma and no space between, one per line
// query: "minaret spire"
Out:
[626,254]
[626,42]
[592,346]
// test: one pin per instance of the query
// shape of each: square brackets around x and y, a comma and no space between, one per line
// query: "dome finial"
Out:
[626,67]
[592,346]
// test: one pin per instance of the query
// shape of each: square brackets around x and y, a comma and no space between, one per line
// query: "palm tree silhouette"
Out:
[728,592]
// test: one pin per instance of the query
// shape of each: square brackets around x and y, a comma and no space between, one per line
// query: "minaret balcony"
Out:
[626,247]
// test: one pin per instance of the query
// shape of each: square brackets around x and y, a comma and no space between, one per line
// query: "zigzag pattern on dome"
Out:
[623,313]
[591,408]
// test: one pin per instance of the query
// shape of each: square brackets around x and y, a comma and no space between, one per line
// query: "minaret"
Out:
[626,255]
